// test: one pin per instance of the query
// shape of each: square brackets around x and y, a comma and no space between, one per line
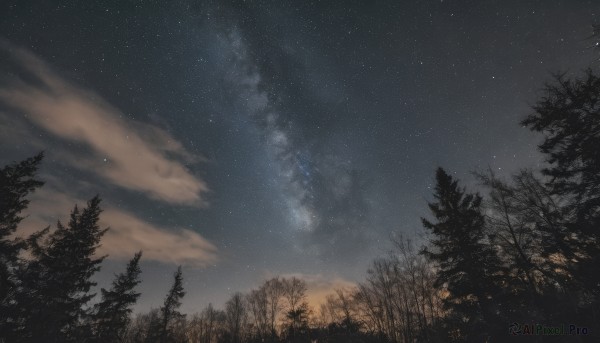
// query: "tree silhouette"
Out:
[274,291]
[57,281]
[17,181]
[568,116]
[207,326]
[161,330]
[466,264]
[236,317]
[112,314]
[258,305]
[294,293]
[527,228]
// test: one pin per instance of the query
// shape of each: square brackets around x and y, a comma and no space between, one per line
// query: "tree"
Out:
[418,299]
[163,331]
[112,314]
[274,291]
[258,305]
[371,309]
[380,290]
[56,283]
[144,328]
[466,264]
[527,228]
[17,181]
[236,317]
[207,326]
[294,292]
[340,308]
[568,116]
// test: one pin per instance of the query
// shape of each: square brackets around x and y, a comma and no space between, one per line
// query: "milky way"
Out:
[257,139]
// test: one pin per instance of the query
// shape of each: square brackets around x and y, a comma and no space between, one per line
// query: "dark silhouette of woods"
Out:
[56,283]
[16,182]
[520,251]
[46,279]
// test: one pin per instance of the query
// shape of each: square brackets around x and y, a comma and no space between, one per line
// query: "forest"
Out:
[515,257]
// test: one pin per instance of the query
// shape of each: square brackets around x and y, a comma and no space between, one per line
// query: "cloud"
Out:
[139,157]
[127,235]
[177,246]
[129,154]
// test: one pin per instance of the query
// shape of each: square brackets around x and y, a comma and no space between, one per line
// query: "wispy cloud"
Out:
[139,156]
[174,245]
[128,233]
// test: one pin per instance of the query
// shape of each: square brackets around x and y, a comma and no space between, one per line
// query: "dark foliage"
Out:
[112,314]
[17,181]
[162,330]
[569,118]
[56,283]
[466,263]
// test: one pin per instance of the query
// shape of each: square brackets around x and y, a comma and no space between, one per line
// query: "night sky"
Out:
[250,139]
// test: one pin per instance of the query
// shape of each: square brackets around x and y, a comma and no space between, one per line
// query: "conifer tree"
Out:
[568,116]
[57,281]
[17,181]
[466,264]
[161,330]
[111,315]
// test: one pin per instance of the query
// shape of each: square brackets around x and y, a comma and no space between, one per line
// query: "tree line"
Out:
[526,251]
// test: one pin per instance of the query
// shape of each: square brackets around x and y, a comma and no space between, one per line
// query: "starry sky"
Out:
[248,139]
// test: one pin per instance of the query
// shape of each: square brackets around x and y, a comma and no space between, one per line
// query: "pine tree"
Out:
[568,116]
[111,315]
[162,330]
[57,281]
[17,181]
[466,264]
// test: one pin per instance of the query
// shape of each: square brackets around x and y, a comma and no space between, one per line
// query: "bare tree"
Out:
[274,291]
[370,309]
[258,306]
[398,301]
[206,327]
[341,309]
[236,317]
[297,310]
